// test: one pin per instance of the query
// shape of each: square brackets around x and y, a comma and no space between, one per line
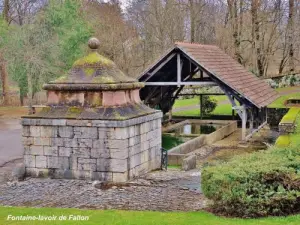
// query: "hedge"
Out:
[259,184]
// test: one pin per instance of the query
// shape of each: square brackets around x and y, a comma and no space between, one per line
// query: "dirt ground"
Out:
[12,112]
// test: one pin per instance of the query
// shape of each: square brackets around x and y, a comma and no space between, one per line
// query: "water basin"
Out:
[196,128]
[185,132]
[170,141]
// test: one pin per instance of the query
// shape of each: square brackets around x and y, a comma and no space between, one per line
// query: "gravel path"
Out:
[163,191]
[289,91]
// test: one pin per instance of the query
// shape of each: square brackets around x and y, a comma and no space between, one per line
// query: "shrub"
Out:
[272,83]
[208,104]
[259,184]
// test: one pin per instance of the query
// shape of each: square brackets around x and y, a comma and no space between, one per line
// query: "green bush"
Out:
[259,184]
[208,104]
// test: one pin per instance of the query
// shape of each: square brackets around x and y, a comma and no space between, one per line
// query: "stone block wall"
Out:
[286,128]
[92,149]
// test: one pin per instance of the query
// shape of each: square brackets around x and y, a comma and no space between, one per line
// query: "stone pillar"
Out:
[94,126]
[102,150]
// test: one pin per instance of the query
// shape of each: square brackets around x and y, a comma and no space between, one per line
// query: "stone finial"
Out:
[93,43]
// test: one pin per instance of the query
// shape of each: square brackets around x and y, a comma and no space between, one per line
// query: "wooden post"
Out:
[178,69]
[244,122]
[170,114]
[251,120]
[201,106]
[232,109]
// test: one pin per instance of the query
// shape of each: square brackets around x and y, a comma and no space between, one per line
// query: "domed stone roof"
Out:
[94,89]
[94,71]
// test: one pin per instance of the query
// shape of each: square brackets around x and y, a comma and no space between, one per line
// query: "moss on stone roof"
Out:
[93,59]
[94,69]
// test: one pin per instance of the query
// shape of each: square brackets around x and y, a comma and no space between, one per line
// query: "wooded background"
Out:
[40,39]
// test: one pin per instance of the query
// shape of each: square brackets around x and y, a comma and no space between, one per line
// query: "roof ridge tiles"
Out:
[194,44]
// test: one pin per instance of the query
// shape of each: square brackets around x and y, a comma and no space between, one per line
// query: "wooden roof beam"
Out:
[160,66]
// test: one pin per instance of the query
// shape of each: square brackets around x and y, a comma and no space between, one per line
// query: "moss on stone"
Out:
[93,58]
[46,109]
[89,71]
[61,79]
[74,112]
[291,116]
[97,113]
[117,116]
[283,141]
[103,79]
[96,101]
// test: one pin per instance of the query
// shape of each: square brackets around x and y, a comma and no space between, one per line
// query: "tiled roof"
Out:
[229,71]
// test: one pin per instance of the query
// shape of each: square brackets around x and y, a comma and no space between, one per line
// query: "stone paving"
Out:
[173,190]
[10,140]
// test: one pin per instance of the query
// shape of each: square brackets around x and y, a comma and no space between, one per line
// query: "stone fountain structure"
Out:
[94,126]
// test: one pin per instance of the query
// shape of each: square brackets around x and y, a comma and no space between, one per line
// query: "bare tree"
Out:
[291,34]
[195,9]
[159,23]
[236,21]
[24,11]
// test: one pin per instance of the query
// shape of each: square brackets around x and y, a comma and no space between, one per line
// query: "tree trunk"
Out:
[21,99]
[30,93]
[291,34]
[234,21]
[281,66]
[253,19]
[4,79]
[241,21]
[192,20]
[256,44]
[6,10]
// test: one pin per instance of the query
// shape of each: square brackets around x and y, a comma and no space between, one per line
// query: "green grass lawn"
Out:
[186,102]
[221,109]
[195,101]
[117,217]
[279,103]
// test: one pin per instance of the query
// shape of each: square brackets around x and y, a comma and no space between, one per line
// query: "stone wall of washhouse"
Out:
[92,149]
